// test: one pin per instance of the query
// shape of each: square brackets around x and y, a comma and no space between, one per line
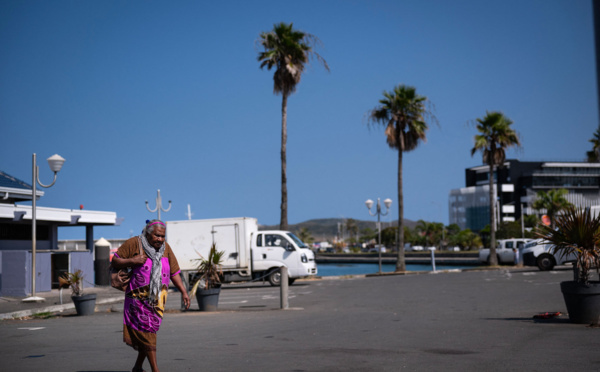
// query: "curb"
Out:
[55,308]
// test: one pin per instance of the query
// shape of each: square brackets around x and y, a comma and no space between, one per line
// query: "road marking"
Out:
[235,302]
[33,328]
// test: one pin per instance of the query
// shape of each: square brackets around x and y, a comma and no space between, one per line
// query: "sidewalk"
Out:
[110,299]
[14,307]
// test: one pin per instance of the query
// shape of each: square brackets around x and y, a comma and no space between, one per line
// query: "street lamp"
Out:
[378,213]
[159,206]
[55,162]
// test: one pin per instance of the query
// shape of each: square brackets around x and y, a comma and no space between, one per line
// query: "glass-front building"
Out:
[516,185]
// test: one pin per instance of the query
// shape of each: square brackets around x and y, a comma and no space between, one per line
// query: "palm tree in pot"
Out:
[577,234]
[84,304]
[207,285]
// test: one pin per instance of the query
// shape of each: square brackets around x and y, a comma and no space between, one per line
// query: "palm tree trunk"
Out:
[283,224]
[493,257]
[400,263]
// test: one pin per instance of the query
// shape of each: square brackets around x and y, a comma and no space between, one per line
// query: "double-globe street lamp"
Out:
[55,162]
[379,213]
[159,206]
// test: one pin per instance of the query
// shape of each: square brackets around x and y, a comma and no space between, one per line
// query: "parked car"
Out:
[416,248]
[376,249]
[536,253]
[505,252]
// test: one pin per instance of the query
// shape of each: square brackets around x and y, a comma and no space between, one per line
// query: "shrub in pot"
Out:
[84,304]
[207,284]
[577,232]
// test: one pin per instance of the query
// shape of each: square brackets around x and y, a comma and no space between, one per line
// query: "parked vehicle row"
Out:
[505,251]
[533,252]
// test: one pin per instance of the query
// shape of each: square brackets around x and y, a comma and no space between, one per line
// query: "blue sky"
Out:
[146,95]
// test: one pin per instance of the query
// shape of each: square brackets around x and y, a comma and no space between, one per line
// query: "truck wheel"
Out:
[275,278]
[545,262]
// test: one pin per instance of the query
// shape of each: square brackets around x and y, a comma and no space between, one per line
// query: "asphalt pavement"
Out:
[474,320]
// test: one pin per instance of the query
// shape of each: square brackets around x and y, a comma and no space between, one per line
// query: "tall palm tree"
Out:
[288,51]
[553,202]
[594,155]
[352,228]
[495,135]
[402,112]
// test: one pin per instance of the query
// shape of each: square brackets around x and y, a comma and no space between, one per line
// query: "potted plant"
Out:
[84,304]
[207,285]
[576,233]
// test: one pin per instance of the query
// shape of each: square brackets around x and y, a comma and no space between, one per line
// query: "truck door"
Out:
[506,253]
[227,239]
[278,250]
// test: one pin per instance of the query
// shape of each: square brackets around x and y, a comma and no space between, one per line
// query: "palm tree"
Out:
[402,112]
[288,51]
[577,233]
[431,232]
[305,235]
[352,228]
[594,155]
[495,135]
[553,202]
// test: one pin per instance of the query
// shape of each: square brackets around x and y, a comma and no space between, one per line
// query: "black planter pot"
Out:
[583,301]
[85,304]
[208,299]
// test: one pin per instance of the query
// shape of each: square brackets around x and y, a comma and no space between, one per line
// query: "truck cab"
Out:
[275,248]
[505,251]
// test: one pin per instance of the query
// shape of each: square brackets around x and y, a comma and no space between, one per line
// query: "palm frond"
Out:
[577,233]
[494,136]
[288,50]
[73,280]
[402,112]
[210,270]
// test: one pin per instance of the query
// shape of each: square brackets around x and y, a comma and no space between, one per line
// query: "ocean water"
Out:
[339,269]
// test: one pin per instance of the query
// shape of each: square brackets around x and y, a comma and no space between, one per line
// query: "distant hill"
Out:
[327,228]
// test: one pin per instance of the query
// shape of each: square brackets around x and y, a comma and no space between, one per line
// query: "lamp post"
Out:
[378,213]
[55,162]
[159,206]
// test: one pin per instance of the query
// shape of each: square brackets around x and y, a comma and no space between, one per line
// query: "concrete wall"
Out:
[16,273]
[83,261]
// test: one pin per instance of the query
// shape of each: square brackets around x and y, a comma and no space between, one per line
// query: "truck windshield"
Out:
[297,240]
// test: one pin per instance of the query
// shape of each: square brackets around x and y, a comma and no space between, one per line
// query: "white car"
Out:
[505,251]
[376,249]
[537,253]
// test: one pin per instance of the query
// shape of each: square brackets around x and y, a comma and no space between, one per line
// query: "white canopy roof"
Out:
[58,215]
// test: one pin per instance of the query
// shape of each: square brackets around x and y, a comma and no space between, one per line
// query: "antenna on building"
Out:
[189,213]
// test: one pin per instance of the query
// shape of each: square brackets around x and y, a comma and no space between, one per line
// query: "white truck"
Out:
[505,252]
[538,253]
[249,253]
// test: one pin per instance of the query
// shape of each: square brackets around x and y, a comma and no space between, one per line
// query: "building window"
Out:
[23,232]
